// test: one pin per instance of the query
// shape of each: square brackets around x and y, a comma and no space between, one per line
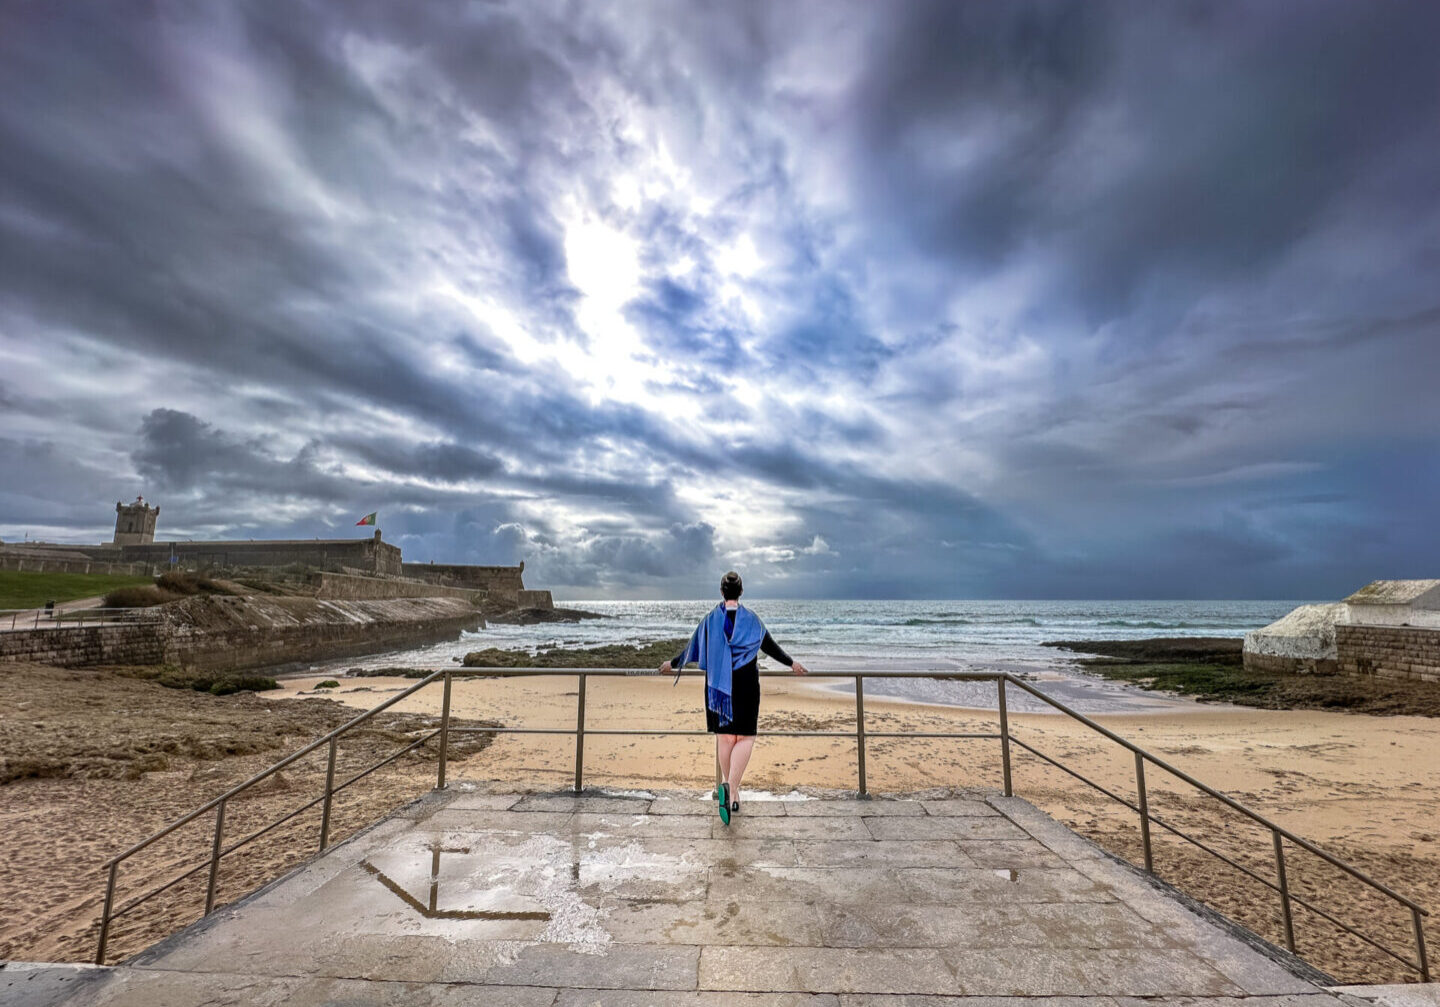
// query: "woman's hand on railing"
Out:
[665,668]
[799,669]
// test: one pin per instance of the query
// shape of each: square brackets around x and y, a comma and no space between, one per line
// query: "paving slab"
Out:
[826,970]
[483,802]
[1394,995]
[854,809]
[957,827]
[582,802]
[599,899]
[41,984]
[964,808]
[706,805]
[999,885]
[635,998]
[1008,853]
[1102,972]
[1036,925]
[931,853]
[892,1000]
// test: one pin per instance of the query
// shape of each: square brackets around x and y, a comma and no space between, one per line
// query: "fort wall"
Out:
[349,587]
[1389,651]
[504,583]
[79,564]
[369,555]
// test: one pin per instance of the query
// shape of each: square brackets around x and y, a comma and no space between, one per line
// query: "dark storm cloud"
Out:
[1148,147]
[950,298]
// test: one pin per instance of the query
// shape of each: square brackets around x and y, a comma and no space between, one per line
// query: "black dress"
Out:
[745,694]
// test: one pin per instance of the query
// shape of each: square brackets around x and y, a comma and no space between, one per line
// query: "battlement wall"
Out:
[534,599]
[349,587]
[504,583]
[370,555]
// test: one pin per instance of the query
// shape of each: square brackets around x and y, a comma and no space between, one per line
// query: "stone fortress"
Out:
[365,567]
[1388,628]
[135,523]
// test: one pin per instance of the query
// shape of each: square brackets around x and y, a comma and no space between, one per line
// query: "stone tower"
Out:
[135,523]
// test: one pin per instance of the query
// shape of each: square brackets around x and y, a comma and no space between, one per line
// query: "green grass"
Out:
[22,589]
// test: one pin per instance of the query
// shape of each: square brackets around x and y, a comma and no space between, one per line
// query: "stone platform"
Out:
[471,897]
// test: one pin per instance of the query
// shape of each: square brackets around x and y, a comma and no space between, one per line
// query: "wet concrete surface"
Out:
[479,897]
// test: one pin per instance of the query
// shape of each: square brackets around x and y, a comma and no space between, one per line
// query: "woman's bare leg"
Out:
[723,744]
[740,750]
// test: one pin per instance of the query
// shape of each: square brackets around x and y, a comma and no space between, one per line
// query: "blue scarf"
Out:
[719,657]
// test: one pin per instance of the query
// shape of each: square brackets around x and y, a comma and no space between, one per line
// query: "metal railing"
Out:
[39,618]
[861,736]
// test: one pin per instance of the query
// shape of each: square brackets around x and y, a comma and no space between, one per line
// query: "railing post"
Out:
[1005,739]
[329,793]
[105,915]
[1144,812]
[860,729]
[1284,890]
[580,734]
[215,856]
[444,735]
[1420,945]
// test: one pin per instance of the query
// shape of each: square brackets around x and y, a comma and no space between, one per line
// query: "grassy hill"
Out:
[30,590]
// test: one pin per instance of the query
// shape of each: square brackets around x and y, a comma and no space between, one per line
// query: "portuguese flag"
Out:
[367,519]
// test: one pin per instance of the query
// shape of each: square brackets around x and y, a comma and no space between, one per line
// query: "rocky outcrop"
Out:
[535,616]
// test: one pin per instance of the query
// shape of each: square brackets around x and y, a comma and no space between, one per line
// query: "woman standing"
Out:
[726,645]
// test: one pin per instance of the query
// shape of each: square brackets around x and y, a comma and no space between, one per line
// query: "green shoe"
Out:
[722,794]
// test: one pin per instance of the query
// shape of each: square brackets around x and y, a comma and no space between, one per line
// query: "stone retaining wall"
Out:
[218,633]
[1389,651]
[77,647]
[348,587]
[504,583]
[535,599]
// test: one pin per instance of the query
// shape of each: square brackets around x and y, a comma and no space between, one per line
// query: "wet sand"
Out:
[1360,786]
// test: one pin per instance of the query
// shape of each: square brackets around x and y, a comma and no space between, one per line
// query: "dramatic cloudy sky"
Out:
[930,299]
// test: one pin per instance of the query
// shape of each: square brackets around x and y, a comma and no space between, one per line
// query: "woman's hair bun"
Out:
[730,586]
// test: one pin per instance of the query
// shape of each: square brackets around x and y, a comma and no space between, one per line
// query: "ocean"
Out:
[844,636]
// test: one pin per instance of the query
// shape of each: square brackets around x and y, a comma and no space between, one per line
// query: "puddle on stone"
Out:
[1007,874]
[430,909]
[537,889]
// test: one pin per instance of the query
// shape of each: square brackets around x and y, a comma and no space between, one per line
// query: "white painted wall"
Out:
[1307,633]
[1394,615]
